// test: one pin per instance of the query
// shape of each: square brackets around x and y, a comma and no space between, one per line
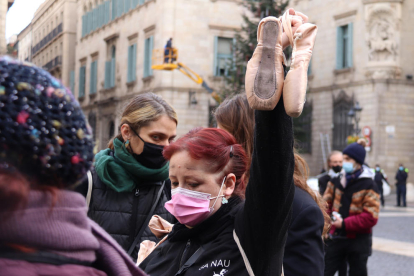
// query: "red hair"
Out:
[218,149]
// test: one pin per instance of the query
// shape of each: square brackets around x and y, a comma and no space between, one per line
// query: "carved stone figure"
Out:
[381,38]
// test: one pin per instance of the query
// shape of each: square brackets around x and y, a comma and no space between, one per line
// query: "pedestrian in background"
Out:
[130,179]
[379,176]
[304,253]
[46,148]
[334,163]
[401,177]
[356,204]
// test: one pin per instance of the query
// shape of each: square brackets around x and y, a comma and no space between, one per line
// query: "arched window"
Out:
[342,124]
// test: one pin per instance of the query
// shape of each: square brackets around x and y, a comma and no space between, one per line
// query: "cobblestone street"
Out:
[393,244]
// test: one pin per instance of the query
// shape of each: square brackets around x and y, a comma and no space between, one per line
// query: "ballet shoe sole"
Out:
[265,82]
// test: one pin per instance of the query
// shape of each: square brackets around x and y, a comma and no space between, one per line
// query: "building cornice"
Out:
[224,28]
[359,83]
[345,14]
[380,1]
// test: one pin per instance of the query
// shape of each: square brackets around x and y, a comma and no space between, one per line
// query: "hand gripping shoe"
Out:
[264,74]
[294,88]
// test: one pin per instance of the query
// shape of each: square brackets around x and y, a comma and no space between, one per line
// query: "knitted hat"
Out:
[356,151]
[43,132]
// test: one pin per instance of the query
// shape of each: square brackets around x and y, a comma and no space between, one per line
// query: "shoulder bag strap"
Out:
[144,226]
[190,261]
[90,184]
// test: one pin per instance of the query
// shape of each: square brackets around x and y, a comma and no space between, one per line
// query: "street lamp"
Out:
[355,113]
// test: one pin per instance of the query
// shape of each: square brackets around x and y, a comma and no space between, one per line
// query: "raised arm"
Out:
[262,225]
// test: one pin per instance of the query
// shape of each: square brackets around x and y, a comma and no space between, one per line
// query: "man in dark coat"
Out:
[401,177]
[379,176]
[334,163]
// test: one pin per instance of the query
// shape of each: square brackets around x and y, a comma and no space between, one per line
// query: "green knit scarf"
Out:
[121,172]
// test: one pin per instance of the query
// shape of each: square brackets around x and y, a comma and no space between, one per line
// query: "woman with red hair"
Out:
[218,233]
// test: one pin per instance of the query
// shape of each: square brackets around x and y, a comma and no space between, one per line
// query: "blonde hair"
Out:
[141,111]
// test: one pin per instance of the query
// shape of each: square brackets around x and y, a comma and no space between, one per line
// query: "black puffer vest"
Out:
[122,214]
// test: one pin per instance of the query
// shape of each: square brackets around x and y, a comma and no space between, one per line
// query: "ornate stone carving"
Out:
[384,73]
[382,32]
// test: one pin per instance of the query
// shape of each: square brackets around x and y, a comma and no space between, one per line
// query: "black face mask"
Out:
[337,169]
[151,157]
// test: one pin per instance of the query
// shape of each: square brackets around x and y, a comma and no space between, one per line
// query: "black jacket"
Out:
[401,177]
[123,214]
[260,223]
[323,182]
[304,250]
[378,179]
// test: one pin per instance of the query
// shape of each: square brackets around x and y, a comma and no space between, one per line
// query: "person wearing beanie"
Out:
[46,149]
[353,201]
[401,177]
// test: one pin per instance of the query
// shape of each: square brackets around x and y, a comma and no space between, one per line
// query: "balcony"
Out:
[53,64]
[48,38]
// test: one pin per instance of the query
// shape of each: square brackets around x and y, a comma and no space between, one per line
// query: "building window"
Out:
[93,77]
[223,55]
[82,73]
[132,63]
[92,123]
[72,81]
[110,69]
[343,126]
[344,46]
[141,2]
[149,45]
[114,9]
[303,129]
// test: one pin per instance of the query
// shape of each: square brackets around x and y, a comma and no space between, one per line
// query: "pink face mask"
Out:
[191,207]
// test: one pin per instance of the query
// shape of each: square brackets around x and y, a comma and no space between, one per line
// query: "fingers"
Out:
[304,17]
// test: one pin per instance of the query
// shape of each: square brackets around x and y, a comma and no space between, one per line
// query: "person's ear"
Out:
[230,185]
[125,132]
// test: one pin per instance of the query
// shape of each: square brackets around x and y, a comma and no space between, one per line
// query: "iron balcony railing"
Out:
[49,37]
[53,63]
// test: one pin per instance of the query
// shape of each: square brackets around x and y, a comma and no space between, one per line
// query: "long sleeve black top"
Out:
[260,223]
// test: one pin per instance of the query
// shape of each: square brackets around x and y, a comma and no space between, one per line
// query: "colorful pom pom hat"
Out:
[43,131]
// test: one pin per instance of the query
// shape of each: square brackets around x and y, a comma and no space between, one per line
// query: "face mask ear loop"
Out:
[215,201]
[133,130]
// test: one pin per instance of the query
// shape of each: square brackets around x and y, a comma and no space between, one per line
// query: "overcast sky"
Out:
[20,15]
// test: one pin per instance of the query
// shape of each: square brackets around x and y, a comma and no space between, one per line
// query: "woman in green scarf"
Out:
[130,179]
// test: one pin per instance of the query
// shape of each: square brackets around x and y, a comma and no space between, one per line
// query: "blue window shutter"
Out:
[83,25]
[91,21]
[93,78]
[150,54]
[339,47]
[146,45]
[113,67]
[82,71]
[120,8]
[95,18]
[114,8]
[107,74]
[141,2]
[134,3]
[72,81]
[129,64]
[107,11]
[134,62]
[349,54]
[215,65]
[127,5]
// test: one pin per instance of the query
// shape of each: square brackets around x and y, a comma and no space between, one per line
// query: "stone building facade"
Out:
[363,53]
[114,53]
[25,44]
[53,30]
[4,7]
